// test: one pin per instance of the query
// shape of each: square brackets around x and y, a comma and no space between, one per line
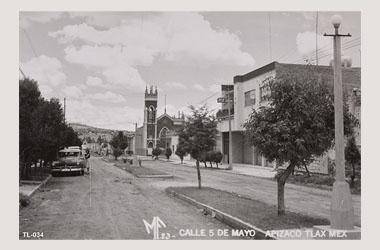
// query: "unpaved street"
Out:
[109,204]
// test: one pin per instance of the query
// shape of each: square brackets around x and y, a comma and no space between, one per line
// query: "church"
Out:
[157,131]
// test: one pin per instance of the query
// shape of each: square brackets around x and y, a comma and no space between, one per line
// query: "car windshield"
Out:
[68,154]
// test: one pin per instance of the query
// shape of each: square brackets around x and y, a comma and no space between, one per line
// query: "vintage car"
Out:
[69,160]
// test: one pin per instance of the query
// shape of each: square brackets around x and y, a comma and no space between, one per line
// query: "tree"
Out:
[43,130]
[119,143]
[180,151]
[156,152]
[99,140]
[198,135]
[296,126]
[168,153]
[352,156]
[29,99]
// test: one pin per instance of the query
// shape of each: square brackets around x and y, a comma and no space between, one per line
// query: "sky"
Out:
[101,62]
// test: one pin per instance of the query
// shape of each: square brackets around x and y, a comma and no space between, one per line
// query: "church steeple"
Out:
[165,104]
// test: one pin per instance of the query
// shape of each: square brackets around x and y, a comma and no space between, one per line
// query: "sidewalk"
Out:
[29,187]
[242,169]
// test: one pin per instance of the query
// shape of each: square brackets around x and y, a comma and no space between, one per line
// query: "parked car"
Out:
[69,160]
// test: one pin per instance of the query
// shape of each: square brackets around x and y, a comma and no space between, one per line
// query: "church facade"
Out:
[157,131]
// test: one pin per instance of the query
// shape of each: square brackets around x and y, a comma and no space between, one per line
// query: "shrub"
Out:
[218,158]
[24,200]
[168,153]
[181,152]
[156,152]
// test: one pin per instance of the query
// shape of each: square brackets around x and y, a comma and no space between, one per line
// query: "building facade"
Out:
[157,131]
[250,92]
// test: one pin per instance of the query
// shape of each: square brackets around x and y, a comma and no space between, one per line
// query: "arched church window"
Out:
[151,114]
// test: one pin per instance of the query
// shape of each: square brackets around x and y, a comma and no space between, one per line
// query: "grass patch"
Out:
[255,212]
[320,181]
[313,179]
[139,171]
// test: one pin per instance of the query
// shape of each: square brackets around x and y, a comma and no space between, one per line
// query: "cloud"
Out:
[46,70]
[184,37]
[309,15]
[306,42]
[107,97]
[214,88]
[112,62]
[100,19]
[176,85]
[199,87]
[29,17]
[72,91]
[94,81]
[210,88]
[46,91]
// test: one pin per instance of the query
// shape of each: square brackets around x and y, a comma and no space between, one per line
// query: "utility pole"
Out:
[229,132]
[342,210]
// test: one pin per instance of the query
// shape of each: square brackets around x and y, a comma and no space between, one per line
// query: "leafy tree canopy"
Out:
[297,125]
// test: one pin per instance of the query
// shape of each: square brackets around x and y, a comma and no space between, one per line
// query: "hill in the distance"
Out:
[91,134]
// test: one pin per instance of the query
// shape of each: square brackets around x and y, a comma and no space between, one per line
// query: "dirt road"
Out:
[110,204]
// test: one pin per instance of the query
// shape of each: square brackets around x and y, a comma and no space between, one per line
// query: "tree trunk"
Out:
[281,189]
[182,160]
[353,175]
[307,171]
[199,175]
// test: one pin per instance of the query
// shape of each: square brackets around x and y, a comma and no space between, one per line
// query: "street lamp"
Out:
[342,210]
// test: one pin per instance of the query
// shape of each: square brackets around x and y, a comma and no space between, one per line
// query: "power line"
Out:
[322,51]
[204,100]
[30,42]
[22,72]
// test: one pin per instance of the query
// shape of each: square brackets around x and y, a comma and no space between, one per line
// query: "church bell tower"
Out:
[150,119]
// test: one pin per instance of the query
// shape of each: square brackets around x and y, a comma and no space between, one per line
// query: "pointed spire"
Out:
[155,92]
[165,104]
[151,89]
[183,115]
[146,90]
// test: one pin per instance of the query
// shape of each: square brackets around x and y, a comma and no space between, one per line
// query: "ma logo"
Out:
[156,224]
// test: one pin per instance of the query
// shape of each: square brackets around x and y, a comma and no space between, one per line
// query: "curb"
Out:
[225,170]
[40,185]
[222,216]
[167,176]
[156,176]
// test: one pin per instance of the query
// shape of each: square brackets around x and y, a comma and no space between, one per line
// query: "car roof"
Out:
[66,150]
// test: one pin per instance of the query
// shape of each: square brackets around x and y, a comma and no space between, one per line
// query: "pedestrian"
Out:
[87,157]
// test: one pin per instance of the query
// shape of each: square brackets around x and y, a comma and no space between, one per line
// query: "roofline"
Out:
[272,66]
[264,69]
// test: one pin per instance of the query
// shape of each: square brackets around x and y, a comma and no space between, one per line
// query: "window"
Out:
[151,115]
[250,98]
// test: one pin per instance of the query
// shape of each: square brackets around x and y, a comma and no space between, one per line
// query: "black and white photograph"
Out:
[186,124]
